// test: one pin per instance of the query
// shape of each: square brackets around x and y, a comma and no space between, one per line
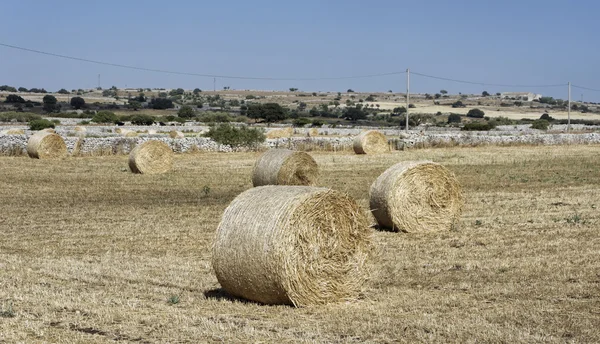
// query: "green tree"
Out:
[50,103]
[13,98]
[269,112]
[77,102]
[63,91]
[443,92]
[197,90]
[40,124]
[186,111]
[142,119]
[454,118]
[7,88]
[475,113]
[227,134]
[485,94]
[437,96]
[161,103]
[105,117]
[293,89]
[458,104]
[354,113]
[23,89]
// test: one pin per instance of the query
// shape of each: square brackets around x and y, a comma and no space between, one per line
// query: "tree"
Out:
[161,103]
[398,111]
[177,92]
[540,124]
[77,102]
[63,91]
[458,104]
[354,113]
[105,117]
[197,90]
[134,105]
[269,112]
[23,89]
[443,92]
[7,88]
[475,113]
[293,89]
[547,117]
[498,94]
[485,94]
[438,96]
[49,103]
[186,111]
[454,118]
[370,98]
[13,98]
[350,91]
[142,120]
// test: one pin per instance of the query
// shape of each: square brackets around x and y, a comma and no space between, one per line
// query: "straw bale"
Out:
[416,196]
[151,157]
[80,129]
[285,167]
[280,133]
[174,134]
[45,145]
[370,142]
[313,132]
[297,245]
[13,132]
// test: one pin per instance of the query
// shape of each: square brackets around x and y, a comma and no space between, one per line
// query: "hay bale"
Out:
[13,132]
[280,133]
[45,145]
[416,196]
[80,129]
[297,245]
[151,132]
[313,132]
[174,134]
[151,157]
[370,142]
[121,130]
[285,167]
[127,132]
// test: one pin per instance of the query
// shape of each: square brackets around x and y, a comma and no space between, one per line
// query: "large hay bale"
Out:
[297,245]
[151,157]
[45,145]
[416,196]
[174,134]
[13,132]
[280,133]
[285,167]
[370,142]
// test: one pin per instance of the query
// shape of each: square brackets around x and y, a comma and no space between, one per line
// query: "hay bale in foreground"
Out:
[297,245]
[285,167]
[45,145]
[370,142]
[416,196]
[151,157]
[13,132]
[174,134]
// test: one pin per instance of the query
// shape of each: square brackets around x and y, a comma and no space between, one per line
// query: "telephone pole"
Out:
[569,110]
[214,84]
[407,96]
[98,80]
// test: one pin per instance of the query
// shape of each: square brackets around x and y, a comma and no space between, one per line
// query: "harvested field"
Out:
[90,252]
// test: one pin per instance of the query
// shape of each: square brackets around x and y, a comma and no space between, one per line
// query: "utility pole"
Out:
[569,110]
[407,96]
[98,80]
[214,84]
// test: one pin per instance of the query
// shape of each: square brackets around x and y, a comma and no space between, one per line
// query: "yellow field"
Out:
[92,253]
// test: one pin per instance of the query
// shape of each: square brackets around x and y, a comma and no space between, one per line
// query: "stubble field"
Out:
[92,253]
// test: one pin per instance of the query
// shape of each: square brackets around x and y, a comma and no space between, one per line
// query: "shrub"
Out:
[77,102]
[454,118]
[458,104]
[215,117]
[142,119]
[478,126]
[540,124]
[23,89]
[186,111]
[40,124]
[546,117]
[300,122]
[13,98]
[475,113]
[317,123]
[411,106]
[63,91]
[227,134]
[105,117]
[18,116]
[161,103]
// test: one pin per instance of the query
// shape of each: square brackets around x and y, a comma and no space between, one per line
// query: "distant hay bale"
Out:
[121,130]
[285,167]
[151,132]
[174,134]
[80,129]
[313,132]
[370,142]
[13,132]
[127,133]
[45,145]
[280,133]
[416,196]
[297,245]
[151,157]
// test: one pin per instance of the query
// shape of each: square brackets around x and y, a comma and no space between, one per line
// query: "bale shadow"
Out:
[386,229]
[220,294]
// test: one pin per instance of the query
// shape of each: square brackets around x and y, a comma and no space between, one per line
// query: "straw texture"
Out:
[13,132]
[370,142]
[176,134]
[416,196]
[45,145]
[151,157]
[285,167]
[295,245]
[280,133]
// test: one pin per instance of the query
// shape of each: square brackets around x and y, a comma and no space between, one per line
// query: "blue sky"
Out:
[501,42]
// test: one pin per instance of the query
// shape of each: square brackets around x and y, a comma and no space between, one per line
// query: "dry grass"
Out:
[100,255]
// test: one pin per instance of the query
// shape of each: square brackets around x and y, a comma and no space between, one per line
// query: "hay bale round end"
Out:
[151,157]
[297,245]
[416,196]
[370,142]
[46,145]
[285,167]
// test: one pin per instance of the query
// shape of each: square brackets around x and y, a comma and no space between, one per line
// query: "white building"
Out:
[526,96]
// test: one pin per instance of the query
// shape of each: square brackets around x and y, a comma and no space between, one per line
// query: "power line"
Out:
[482,83]
[196,74]
[585,88]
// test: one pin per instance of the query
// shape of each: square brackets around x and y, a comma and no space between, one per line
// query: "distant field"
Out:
[91,253]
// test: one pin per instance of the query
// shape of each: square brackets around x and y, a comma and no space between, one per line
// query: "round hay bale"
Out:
[313,132]
[45,145]
[121,130]
[80,129]
[280,133]
[416,196]
[13,132]
[151,157]
[174,134]
[151,132]
[370,142]
[297,245]
[285,167]
[128,133]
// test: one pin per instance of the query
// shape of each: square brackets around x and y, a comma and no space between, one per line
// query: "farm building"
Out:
[527,96]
